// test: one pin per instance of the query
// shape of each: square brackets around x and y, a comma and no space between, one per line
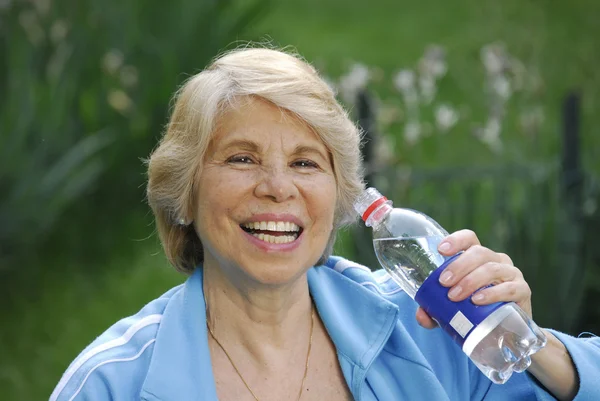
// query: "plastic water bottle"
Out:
[499,338]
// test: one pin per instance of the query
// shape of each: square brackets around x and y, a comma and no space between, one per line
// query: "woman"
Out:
[256,172]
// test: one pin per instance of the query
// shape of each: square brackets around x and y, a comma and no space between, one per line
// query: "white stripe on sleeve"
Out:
[136,356]
[124,339]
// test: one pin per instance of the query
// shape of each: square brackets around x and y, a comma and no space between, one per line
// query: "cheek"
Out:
[324,199]
[221,189]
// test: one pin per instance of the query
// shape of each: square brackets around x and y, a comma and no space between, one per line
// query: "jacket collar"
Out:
[180,369]
[358,321]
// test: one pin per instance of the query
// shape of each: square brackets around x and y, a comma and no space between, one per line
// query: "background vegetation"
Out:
[84,94]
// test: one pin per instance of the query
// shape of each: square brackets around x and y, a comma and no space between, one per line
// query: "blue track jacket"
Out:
[162,354]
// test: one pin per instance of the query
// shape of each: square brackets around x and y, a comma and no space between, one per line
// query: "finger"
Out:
[468,261]
[486,274]
[511,291]
[458,241]
[504,258]
[425,320]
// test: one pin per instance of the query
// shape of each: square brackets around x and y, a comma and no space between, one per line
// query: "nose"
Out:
[277,185]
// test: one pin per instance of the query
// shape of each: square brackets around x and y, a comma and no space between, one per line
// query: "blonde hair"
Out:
[281,78]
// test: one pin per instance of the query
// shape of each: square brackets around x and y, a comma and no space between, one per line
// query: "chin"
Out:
[276,274]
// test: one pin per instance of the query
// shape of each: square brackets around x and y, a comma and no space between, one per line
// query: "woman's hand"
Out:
[478,267]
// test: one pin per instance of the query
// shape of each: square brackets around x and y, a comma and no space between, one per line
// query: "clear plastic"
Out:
[406,242]
[504,342]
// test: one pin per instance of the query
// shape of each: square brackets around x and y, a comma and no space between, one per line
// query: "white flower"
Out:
[492,128]
[412,132]
[355,80]
[428,89]
[112,61]
[490,135]
[433,62]
[493,58]
[119,100]
[58,31]
[445,117]
[404,80]
[384,151]
[501,87]
[331,83]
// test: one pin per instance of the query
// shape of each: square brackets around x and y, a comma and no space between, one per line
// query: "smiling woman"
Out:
[256,172]
[242,98]
[264,166]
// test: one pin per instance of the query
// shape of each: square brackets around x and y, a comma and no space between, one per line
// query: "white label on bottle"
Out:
[461,324]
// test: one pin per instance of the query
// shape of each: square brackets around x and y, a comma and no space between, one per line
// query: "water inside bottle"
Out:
[504,345]
[409,260]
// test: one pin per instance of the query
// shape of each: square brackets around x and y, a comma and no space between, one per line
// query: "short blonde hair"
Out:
[278,77]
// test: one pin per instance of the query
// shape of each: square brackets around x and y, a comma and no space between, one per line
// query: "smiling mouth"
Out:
[273,232]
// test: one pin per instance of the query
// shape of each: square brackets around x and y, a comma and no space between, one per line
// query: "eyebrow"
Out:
[303,149]
[243,145]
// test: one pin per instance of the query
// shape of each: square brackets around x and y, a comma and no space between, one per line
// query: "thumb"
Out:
[425,320]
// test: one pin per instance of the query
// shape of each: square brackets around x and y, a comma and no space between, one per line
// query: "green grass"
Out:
[50,322]
[45,325]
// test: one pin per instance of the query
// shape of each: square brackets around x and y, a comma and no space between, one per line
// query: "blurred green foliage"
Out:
[84,94]
[85,90]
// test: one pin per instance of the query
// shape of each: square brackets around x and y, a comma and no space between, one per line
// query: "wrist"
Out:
[553,367]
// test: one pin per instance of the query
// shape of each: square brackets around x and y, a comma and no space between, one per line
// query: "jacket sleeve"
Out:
[585,353]
[107,377]
[82,386]
[113,368]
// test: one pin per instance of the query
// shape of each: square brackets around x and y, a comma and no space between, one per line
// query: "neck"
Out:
[257,316]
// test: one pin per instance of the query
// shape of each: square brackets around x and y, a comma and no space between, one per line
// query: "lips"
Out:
[273,231]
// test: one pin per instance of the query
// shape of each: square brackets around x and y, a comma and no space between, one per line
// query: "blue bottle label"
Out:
[458,319]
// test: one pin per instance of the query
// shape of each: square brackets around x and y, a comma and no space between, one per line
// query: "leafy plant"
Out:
[84,93]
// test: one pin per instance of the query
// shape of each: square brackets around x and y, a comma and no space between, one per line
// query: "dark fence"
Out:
[534,213]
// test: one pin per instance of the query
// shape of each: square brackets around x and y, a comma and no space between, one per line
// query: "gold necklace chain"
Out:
[312,324]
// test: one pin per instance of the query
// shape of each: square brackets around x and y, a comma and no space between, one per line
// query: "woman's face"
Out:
[266,195]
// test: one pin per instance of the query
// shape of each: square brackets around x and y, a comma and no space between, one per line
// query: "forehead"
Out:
[259,120]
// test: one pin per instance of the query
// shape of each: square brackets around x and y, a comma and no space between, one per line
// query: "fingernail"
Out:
[444,247]
[454,292]
[445,277]
[478,297]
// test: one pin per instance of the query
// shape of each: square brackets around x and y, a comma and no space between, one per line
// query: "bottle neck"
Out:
[379,214]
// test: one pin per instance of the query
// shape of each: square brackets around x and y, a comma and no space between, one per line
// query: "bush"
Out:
[85,89]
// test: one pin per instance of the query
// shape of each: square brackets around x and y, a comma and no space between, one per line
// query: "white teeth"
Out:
[272,239]
[280,226]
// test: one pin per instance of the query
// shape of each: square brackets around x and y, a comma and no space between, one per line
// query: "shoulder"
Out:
[113,366]
[378,281]
[408,334]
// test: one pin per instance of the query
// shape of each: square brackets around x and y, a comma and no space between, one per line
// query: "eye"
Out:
[240,159]
[305,163]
